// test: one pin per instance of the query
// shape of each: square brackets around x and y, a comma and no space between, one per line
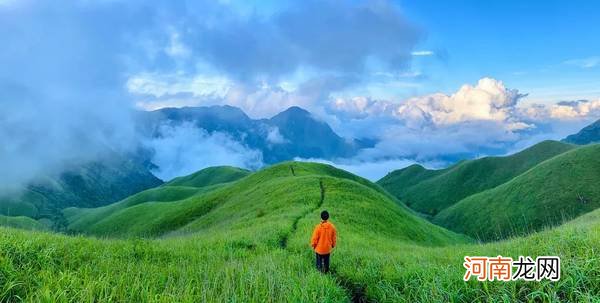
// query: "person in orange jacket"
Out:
[323,240]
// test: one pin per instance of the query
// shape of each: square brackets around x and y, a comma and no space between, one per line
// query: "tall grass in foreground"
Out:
[51,268]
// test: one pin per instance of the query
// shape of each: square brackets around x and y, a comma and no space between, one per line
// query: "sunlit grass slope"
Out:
[210,176]
[284,192]
[22,222]
[556,190]
[180,188]
[85,218]
[431,191]
[370,263]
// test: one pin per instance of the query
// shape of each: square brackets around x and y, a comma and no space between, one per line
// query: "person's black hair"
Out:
[324,215]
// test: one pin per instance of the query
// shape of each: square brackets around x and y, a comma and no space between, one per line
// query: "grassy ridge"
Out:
[210,176]
[432,191]
[283,191]
[550,193]
[22,223]
[81,219]
[86,219]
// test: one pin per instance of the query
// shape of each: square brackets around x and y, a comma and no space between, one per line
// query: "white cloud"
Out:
[266,101]
[476,120]
[275,137]
[565,110]
[422,53]
[184,149]
[159,85]
[489,100]
[576,109]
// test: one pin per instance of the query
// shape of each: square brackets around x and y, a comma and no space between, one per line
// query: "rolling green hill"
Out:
[84,218]
[553,191]
[284,191]
[430,191]
[203,181]
[22,222]
[375,260]
[210,176]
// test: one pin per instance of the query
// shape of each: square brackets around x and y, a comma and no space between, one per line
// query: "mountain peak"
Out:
[587,135]
[295,111]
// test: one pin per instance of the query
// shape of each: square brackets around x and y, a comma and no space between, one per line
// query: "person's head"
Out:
[324,215]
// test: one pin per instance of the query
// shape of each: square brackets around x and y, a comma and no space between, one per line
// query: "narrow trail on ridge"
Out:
[356,292]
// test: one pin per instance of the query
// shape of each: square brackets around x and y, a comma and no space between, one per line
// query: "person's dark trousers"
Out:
[323,262]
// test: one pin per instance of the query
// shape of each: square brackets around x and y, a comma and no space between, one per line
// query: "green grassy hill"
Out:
[369,264]
[80,219]
[283,191]
[247,241]
[203,181]
[430,191]
[210,176]
[398,182]
[550,193]
[242,241]
[22,222]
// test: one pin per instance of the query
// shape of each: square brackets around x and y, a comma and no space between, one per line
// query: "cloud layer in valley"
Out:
[183,149]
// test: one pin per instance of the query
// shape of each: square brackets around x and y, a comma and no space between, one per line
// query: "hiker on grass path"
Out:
[322,241]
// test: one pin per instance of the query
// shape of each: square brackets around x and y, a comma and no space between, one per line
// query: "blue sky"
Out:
[541,47]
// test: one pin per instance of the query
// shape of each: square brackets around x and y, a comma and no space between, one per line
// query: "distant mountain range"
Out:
[293,133]
[589,134]
[290,134]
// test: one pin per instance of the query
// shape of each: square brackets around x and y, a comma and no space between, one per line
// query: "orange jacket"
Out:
[323,238]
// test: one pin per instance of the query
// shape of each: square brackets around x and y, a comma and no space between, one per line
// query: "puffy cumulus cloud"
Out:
[575,109]
[489,100]
[564,110]
[477,120]
[184,149]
